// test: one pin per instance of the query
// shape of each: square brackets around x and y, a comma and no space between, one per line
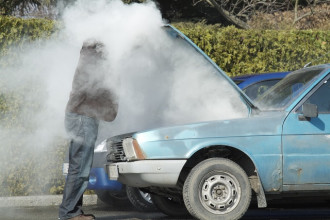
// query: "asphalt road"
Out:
[285,211]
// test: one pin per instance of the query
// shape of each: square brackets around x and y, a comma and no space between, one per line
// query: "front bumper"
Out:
[145,173]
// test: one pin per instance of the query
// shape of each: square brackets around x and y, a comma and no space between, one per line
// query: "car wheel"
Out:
[139,199]
[168,206]
[217,188]
[113,198]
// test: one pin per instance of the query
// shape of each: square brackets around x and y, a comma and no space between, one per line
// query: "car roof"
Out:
[246,80]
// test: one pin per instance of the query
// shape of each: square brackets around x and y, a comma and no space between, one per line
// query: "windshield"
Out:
[285,91]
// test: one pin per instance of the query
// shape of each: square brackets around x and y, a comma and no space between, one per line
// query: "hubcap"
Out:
[220,193]
[145,196]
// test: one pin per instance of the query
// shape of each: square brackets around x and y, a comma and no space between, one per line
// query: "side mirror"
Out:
[309,111]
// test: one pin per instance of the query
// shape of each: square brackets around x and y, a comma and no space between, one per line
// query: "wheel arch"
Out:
[234,154]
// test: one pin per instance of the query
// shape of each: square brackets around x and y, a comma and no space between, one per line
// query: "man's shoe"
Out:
[83,217]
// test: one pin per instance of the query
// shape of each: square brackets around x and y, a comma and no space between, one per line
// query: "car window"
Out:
[321,98]
[257,89]
[287,89]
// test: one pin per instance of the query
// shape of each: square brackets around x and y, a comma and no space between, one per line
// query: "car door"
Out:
[306,144]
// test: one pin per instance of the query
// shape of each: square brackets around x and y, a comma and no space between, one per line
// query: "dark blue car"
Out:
[256,84]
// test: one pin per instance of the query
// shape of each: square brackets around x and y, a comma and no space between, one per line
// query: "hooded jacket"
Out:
[91,95]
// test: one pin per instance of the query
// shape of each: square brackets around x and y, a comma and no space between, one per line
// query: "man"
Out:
[90,100]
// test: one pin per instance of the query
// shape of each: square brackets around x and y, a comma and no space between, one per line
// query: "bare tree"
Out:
[9,6]
[311,6]
[28,8]
[240,11]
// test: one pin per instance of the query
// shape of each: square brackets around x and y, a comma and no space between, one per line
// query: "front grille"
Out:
[115,148]
[117,152]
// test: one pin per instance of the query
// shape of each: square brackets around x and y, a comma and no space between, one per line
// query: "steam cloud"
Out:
[159,81]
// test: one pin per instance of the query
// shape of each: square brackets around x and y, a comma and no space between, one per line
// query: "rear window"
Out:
[257,89]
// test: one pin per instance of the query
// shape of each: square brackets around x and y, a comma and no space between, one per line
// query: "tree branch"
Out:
[230,18]
[296,18]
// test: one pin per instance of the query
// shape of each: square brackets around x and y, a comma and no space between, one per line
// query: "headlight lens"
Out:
[92,179]
[132,149]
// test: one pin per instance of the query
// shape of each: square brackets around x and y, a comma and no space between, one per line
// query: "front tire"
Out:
[217,188]
[140,200]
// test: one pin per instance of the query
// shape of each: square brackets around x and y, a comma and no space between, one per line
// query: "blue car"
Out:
[255,85]
[113,192]
[279,147]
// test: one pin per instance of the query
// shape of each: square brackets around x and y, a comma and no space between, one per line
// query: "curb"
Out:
[48,200]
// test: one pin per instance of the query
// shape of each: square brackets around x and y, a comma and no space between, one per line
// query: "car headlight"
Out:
[92,179]
[132,149]
[101,147]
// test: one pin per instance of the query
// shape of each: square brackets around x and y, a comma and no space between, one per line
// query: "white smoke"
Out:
[161,81]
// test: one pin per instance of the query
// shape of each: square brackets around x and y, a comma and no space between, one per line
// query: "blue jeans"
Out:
[83,133]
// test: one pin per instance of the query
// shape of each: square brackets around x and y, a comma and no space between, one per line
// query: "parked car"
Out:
[255,85]
[113,192]
[209,169]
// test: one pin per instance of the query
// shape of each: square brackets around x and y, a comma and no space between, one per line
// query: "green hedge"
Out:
[26,168]
[240,52]
[235,51]
[15,33]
